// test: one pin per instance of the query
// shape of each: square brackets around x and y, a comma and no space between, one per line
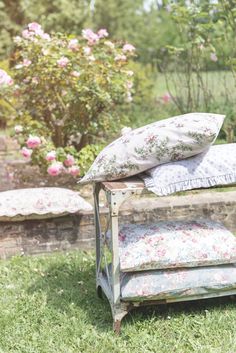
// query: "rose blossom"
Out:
[213,57]
[125,130]
[166,98]
[120,57]
[5,79]
[129,73]
[91,58]
[18,129]
[91,37]
[87,50]
[129,84]
[33,142]
[51,156]
[102,33]
[35,80]
[74,170]
[35,27]
[73,44]
[26,34]
[26,152]
[63,61]
[45,36]
[55,168]
[128,48]
[75,73]
[26,62]
[69,160]
[129,97]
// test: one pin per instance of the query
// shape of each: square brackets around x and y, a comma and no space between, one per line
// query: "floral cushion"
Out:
[160,142]
[175,244]
[216,166]
[40,201]
[173,284]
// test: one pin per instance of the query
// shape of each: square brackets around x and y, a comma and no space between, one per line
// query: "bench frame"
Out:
[108,279]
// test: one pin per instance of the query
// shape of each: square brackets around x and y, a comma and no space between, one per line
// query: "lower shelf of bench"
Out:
[173,285]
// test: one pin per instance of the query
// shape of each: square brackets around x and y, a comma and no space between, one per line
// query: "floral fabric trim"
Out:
[171,284]
[216,166]
[41,201]
[154,144]
[173,244]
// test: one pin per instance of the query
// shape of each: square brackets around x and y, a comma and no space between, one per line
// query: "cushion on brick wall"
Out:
[154,144]
[216,166]
[40,203]
[170,244]
[173,284]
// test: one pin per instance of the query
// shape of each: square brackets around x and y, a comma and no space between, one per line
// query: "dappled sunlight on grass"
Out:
[49,304]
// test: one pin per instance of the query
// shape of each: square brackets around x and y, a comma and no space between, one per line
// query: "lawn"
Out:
[217,83]
[48,304]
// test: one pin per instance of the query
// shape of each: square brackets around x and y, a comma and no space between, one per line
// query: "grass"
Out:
[48,304]
[216,82]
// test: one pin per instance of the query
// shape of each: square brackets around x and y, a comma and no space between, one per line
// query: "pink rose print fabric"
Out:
[167,140]
[41,201]
[175,244]
[172,284]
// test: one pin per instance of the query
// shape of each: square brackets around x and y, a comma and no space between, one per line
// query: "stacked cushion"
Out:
[216,166]
[173,284]
[154,144]
[174,244]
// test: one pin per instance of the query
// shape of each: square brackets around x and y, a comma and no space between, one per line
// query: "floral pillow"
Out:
[216,166]
[172,244]
[167,140]
[35,202]
[179,283]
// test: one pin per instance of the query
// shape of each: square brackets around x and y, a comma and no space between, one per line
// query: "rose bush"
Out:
[67,90]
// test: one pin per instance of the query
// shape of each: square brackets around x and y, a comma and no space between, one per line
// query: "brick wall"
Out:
[77,231]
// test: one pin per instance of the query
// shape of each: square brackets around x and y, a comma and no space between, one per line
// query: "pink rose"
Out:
[75,73]
[91,37]
[73,44]
[26,62]
[34,27]
[129,73]
[74,170]
[166,98]
[45,36]
[87,50]
[120,57]
[51,156]
[55,168]
[26,34]
[129,84]
[213,57]
[69,160]
[102,33]
[63,61]
[5,79]
[33,142]
[26,152]
[35,80]
[128,48]
[18,129]
[91,58]
[129,97]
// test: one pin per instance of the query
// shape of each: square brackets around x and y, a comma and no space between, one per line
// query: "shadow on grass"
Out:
[71,289]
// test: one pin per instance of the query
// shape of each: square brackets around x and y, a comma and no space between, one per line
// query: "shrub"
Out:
[68,90]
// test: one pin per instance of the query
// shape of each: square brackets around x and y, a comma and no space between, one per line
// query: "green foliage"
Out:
[68,90]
